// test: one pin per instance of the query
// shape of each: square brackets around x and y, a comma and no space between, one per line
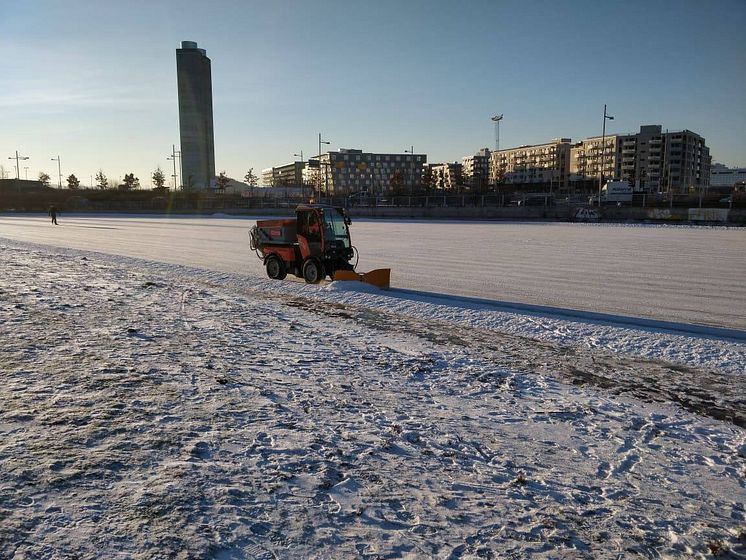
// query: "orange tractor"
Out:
[314,244]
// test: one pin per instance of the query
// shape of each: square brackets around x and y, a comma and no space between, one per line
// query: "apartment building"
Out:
[650,160]
[288,175]
[446,176]
[349,171]
[475,170]
[546,164]
[593,156]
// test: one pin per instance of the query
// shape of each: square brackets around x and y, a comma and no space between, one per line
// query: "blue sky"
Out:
[95,81]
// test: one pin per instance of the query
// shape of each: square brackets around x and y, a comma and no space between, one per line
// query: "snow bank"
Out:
[154,410]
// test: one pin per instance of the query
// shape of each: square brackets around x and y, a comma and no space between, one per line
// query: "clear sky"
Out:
[95,81]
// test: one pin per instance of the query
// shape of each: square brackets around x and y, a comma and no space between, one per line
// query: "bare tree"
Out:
[222,181]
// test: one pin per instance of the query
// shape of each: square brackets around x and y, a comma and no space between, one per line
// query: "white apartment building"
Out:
[475,169]
[593,156]
[290,174]
[542,163]
[446,176]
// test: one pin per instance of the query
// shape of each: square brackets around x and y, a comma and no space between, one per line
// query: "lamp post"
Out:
[411,170]
[496,119]
[603,154]
[59,171]
[300,155]
[321,142]
[25,169]
[17,158]
[173,156]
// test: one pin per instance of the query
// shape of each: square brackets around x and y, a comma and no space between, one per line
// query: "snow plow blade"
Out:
[380,277]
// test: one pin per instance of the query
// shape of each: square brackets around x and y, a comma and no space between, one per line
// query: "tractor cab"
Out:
[323,241]
[325,230]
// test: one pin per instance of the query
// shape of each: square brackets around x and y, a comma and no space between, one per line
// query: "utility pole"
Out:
[496,119]
[59,171]
[603,154]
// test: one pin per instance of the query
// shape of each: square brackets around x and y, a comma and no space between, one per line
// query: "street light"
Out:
[173,156]
[603,154]
[59,171]
[300,155]
[496,119]
[322,142]
[411,169]
[18,171]
[26,170]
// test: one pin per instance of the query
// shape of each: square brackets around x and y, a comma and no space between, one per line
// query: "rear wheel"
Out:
[312,271]
[276,268]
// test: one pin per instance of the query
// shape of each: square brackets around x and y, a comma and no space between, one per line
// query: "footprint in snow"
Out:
[201,450]
[263,439]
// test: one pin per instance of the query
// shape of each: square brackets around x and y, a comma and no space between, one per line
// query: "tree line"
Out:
[130,182]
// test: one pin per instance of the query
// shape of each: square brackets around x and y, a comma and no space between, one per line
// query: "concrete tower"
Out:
[194,79]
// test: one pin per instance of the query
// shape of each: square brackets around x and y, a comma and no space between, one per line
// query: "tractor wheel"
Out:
[276,268]
[313,272]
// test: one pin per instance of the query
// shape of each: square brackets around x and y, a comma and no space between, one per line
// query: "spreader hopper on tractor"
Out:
[313,245]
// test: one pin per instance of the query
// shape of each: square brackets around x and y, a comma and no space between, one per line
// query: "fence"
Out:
[148,201]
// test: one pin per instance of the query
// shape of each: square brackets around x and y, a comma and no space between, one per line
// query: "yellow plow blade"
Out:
[380,277]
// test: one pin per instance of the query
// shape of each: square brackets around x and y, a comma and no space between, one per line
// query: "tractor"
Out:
[313,245]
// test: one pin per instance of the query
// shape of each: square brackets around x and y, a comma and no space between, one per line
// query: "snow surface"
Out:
[162,411]
[672,273]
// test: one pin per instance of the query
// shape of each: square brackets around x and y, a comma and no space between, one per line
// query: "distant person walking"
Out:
[53,212]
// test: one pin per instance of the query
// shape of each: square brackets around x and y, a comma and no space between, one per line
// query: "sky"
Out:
[94,82]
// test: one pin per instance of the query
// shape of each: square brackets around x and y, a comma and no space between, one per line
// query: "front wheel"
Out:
[276,268]
[312,271]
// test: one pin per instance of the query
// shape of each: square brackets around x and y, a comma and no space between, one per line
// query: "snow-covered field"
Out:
[672,273]
[154,410]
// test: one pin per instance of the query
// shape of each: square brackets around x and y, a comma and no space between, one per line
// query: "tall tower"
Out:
[194,79]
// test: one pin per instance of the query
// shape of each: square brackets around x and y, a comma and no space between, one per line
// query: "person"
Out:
[53,212]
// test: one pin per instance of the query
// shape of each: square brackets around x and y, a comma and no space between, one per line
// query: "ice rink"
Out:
[671,273]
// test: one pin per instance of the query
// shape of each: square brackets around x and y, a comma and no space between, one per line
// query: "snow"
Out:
[691,275]
[160,410]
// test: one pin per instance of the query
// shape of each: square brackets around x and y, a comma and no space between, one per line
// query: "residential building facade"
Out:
[592,157]
[475,169]
[446,176]
[546,164]
[194,79]
[350,171]
[650,160]
[288,175]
